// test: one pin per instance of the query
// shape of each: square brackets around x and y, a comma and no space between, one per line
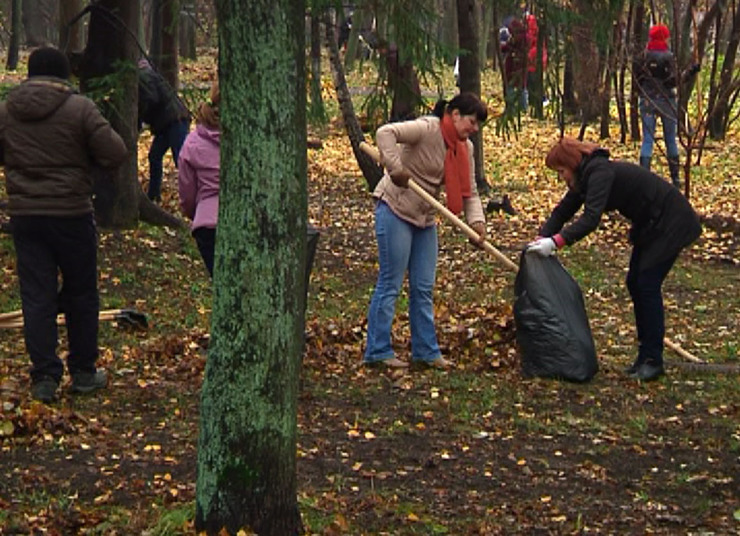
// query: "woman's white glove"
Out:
[543,246]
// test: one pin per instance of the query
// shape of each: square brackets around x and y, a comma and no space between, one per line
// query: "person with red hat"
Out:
[656,81]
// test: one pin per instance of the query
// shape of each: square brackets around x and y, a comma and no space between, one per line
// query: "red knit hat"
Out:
[658,37]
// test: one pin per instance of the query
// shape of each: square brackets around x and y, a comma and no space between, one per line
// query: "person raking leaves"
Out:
[435,151]
[663,223]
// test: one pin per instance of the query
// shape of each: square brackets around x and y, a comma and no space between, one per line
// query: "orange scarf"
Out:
[457,167]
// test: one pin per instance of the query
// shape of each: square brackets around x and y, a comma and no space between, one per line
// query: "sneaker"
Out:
[87,382]
[45,389]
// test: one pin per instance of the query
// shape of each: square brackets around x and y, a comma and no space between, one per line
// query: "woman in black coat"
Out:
[663,223]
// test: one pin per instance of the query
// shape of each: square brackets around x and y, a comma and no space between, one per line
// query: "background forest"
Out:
[475,450]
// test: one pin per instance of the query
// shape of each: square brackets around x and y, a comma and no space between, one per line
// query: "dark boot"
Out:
[645,162]
[673,168]
[649,371]
[632,369]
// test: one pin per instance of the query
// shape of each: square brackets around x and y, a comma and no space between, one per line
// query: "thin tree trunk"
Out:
[118,195]
[186,38]
[470,75]
[15,35]
[370,170]
[36,23]
[70,36]
[169,61]
[155,32]
[569,96]
[317,111]
[728,89]
[638,43]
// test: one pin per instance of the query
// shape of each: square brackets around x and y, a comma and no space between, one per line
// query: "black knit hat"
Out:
[48,61]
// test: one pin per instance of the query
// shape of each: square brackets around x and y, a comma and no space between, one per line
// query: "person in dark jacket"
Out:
[656,81]
[49,138]
[168,119]
[663,223]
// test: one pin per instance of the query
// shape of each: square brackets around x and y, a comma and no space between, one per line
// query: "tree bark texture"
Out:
[111,45]
[37,22]
[155,31]
[187,30]
[587,69]
[317,112]
[70,35]
[247,444]
[637,44]
[169,60]
[729,83]
[467,24]
[15,35]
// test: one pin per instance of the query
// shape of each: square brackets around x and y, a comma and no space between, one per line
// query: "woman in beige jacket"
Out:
[435,151]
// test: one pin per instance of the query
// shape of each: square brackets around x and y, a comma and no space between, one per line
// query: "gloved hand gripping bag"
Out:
[552,328]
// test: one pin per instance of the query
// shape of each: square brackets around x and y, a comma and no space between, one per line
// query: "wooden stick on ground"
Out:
[375,154]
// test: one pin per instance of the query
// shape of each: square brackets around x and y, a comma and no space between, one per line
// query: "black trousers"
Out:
[645,288]
[45,247]
[205,237]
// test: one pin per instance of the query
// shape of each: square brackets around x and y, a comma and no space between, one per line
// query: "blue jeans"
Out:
[647,299]
[172,138]
[401,247]
[650,110]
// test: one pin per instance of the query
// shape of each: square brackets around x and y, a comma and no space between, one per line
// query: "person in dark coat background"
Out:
[49,138]
[663,223]
[168,119]
[656,76]
[515,49]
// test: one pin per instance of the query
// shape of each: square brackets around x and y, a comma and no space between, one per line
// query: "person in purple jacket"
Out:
[198,176]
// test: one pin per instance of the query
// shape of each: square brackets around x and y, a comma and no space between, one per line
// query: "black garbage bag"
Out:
[552,327]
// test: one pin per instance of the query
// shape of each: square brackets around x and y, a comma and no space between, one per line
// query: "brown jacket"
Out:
[418,146]
[49,138]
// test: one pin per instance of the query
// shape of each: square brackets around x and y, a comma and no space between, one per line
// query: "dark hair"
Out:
[467,103]
[48,61]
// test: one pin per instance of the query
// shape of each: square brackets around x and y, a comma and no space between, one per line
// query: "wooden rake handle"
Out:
[375,154]
[127,317]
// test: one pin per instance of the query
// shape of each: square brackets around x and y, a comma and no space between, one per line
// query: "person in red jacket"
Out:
[514,50]
[532,37]
[50,136]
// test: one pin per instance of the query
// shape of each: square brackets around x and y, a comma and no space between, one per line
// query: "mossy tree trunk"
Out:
[248,420]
